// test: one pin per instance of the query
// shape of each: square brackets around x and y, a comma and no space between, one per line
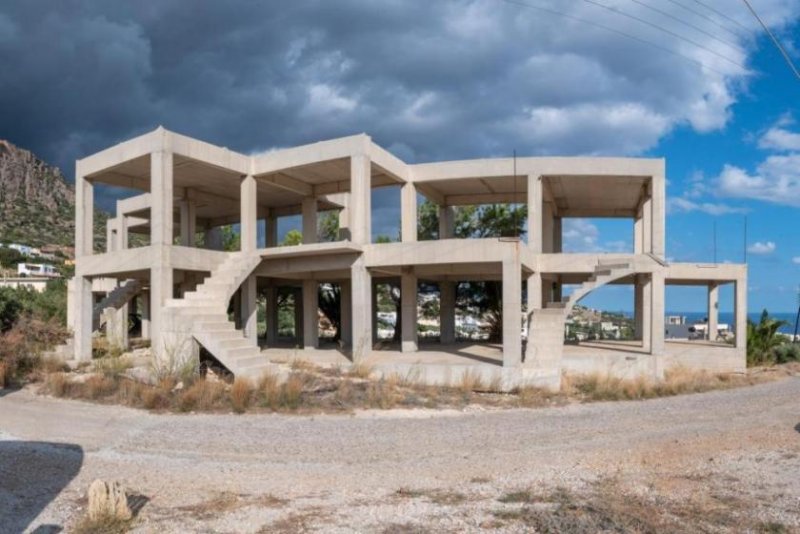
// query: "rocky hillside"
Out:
[37,205]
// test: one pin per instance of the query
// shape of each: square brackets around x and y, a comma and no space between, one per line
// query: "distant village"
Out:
[33,267]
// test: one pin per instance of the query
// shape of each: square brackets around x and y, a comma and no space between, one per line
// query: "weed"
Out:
[101,525]
[202,395]
[57,384]
[269,390]
[292,391]
[361,369]
[241,394]
[98,386]
[470,381]
[4,375]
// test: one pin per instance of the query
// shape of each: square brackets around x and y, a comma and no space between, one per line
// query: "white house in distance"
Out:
[37,270]
[188,189]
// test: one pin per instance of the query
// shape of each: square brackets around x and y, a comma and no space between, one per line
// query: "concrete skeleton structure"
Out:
[183,282]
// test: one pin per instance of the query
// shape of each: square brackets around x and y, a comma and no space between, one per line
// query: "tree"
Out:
[231,240]
[328,226]
[292,237]
[763,338]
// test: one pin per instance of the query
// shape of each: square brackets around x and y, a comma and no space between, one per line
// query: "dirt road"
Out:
[398,470]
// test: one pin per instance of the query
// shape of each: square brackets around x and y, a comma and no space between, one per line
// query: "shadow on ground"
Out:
[32,474]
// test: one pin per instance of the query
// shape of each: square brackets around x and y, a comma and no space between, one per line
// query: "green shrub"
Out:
[788,352]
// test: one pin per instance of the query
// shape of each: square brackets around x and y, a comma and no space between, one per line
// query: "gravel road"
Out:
[234,473]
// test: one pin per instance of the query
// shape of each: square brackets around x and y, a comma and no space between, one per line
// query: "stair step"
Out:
[210,318]
[217,326]
[235,354]
[251,361]
[233,343]
[612,266]
[553,304]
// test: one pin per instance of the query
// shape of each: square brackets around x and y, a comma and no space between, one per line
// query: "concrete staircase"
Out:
[203,313]
[117,298]
[546,326]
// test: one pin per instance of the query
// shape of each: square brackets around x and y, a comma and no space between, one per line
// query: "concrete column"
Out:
[248,214]
[408,306]
[557,235]
[298,316]
[547,227]
[361,302]
[250,308]
[344,218]
[447,222]
[111,235]
[408,213]
[713,311]
[214,238]
[657,313]
[161,281]
[188,221]
[310,314]
[638,307]
[374,311]
[145,314]
[447,312]
[740,312]
[535,204]
[161,193]
[117,327]
[658,191]
[360,200]
[534,292]
[122,232]
[647,226]
[272,315]
[83,318]
[346,312]
[512,312]
[638,232]
[84,215]
[271,230]
[309,220]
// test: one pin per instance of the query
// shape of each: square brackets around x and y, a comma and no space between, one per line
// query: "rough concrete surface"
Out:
[394,471]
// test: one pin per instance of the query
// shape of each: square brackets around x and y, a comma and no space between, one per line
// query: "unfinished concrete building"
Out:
[183,283]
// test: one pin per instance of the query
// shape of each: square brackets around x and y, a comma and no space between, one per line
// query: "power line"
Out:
[688,24]
[774,40]
[709,19]
[723,15]
[613,30]
[618,11]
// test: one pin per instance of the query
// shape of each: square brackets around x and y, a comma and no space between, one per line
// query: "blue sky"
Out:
[697,83]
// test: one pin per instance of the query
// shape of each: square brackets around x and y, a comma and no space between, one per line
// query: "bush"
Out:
[21,346]
[202,395]
[788,352]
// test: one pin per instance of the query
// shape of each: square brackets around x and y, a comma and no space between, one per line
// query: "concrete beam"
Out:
[287,183]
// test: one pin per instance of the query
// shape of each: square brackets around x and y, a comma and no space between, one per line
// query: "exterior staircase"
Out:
[546,326]
[117,298]
[203,313]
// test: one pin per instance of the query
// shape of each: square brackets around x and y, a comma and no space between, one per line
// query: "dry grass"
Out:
[362,369]
[4,375]
[606,507]
[241,394]
[203,395]
[677,381]
[101,525]
[318,390]
[471,381]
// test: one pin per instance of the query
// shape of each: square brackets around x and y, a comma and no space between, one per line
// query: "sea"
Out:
[727,318]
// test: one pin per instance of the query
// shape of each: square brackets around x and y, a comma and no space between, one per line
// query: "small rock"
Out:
[108,500]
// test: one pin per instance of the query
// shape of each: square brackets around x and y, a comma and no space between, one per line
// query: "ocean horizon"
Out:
[727,318]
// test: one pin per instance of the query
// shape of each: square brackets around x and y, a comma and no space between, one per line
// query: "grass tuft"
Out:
[241,395]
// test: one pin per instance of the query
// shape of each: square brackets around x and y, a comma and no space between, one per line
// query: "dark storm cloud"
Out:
[428,80]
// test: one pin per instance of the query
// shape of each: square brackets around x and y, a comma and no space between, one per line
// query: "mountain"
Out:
[37,204]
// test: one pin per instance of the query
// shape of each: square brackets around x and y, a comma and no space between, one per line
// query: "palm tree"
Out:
[762,338]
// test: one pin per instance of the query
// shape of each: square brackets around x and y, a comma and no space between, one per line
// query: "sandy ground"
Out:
[396,471]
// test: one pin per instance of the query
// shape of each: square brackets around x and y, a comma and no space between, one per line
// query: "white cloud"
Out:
[776,179]
[684,205]
[579,235]
[796,260]
[766,247]
[777,138]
